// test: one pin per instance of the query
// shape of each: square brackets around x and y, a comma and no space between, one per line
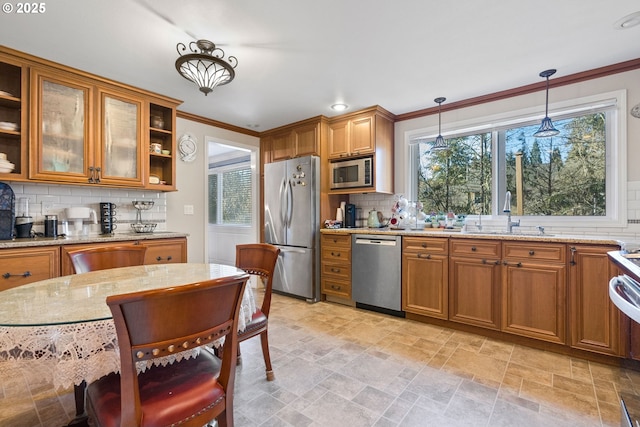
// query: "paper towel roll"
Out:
[339,215]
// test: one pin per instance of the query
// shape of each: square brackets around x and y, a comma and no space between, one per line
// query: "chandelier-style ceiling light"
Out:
[440,144]
[203,63]
[546,127]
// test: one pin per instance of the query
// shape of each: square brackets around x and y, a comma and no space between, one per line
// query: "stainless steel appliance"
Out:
[375,272]
[352,173]
[292,222]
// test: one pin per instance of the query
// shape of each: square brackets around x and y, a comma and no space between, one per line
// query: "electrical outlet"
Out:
[47,206]
[188,209]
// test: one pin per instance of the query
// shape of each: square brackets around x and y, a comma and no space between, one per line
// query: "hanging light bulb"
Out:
[440,144]
[546,127]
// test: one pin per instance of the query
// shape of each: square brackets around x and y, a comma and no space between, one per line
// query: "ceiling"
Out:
[298,57]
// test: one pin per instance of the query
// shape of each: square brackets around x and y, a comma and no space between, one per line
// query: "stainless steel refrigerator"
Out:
[291,212]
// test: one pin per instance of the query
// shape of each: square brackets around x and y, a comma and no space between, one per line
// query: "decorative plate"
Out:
[635,111]
[188,147]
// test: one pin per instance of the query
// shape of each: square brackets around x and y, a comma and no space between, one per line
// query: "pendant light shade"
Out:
[546,127]
[203,63]
[440,144]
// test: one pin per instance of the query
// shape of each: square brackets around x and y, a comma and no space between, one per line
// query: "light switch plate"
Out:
[188,209]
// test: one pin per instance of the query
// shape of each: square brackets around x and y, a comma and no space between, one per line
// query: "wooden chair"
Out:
[104,257]
[259,259]
[163,322]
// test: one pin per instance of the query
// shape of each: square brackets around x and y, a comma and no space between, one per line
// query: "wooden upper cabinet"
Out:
[352,137]
[296,140]
[13,110]
[83,132]
[61,129]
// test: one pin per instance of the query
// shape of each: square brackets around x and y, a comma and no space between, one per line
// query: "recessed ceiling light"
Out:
[628,21]
[339,107]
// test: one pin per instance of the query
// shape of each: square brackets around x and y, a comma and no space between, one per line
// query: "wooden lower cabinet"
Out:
[595,322]
[165,251]
[534,290]
[25,265]
[159,251]
[474,282]
[425,276]
[336,264]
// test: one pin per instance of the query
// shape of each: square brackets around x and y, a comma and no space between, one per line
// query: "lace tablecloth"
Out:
[68,354]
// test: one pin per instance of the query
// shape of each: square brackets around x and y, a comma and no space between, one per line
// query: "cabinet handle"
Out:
[336,287]
[473,249]
[98,175]
[92,175]
[25,274]
[573,255]
[424,245]
[428,256]
[335,270]
[160,258]
[532,252]
[518,264]
[335,253]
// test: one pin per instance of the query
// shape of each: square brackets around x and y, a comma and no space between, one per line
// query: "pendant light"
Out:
[203,63]
[546,127]
[440,144]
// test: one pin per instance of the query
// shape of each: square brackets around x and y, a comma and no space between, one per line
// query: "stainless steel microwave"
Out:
[352,173]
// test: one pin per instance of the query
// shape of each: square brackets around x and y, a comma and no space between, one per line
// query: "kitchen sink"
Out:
[504,233]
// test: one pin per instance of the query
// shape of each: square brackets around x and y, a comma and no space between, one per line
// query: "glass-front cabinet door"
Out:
[60,127]
[119,155]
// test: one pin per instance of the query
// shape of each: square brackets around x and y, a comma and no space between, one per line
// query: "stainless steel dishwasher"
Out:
[375,273]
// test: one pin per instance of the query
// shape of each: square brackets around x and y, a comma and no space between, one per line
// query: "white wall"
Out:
[192,187]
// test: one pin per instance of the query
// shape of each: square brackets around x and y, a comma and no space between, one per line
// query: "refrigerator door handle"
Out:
[289,203]
[283,202]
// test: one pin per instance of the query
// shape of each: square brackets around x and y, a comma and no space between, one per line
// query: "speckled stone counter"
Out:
[98,238]
[558,238]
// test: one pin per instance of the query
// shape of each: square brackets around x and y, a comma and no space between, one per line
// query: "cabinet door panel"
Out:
[474,292]
[362,140]
[165,251]
[306,140]
[121,139]
[534,299]
[424,289]
[281,146]
[22,266]
[60,128]
[594,319]
[338,139]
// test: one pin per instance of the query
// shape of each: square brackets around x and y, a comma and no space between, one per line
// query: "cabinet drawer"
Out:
[22,266]
[479,248]
[425,244]
[334,254]
[341,271]
[341,288]
[535,251]
[343,240]
[165,251]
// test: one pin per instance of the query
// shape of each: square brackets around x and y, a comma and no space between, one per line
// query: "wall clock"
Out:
[188,147]
[635,111]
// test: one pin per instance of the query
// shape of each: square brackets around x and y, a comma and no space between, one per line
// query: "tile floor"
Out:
[340,366]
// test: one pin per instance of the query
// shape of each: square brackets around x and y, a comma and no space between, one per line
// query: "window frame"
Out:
[616,157]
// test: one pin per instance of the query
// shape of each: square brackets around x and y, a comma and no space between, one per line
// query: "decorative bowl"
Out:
[143,227]
[143,205]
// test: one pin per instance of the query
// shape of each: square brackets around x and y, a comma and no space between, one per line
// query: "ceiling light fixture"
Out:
[339,107]
[203,63]
[440,144]
[628,21]
[546,129]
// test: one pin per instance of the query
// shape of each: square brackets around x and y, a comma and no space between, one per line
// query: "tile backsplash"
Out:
[56,198]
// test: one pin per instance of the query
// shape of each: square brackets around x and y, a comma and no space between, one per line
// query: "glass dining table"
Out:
[60,330]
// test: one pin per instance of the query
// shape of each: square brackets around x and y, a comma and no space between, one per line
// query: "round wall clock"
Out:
[188,147]
[635,111]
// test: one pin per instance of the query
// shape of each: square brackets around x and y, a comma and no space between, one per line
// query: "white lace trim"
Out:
[68,354]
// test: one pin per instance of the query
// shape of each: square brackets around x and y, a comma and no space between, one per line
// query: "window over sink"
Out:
[578,175]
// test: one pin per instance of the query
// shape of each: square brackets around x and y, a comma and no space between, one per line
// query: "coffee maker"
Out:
[24,222]
[350,216]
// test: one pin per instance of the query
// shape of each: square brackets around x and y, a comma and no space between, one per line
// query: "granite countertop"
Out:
[558,238]
[98,238]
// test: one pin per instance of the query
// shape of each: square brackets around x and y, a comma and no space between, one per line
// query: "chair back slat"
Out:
[259,259]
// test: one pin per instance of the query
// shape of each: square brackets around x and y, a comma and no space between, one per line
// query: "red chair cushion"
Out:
[257,324]
[168,394]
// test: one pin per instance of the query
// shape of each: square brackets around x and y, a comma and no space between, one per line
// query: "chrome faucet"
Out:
[507,209]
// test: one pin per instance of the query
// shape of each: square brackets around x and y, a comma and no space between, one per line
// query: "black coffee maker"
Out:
[350,216]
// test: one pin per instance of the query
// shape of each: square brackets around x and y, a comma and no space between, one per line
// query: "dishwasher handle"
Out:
[378,242]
